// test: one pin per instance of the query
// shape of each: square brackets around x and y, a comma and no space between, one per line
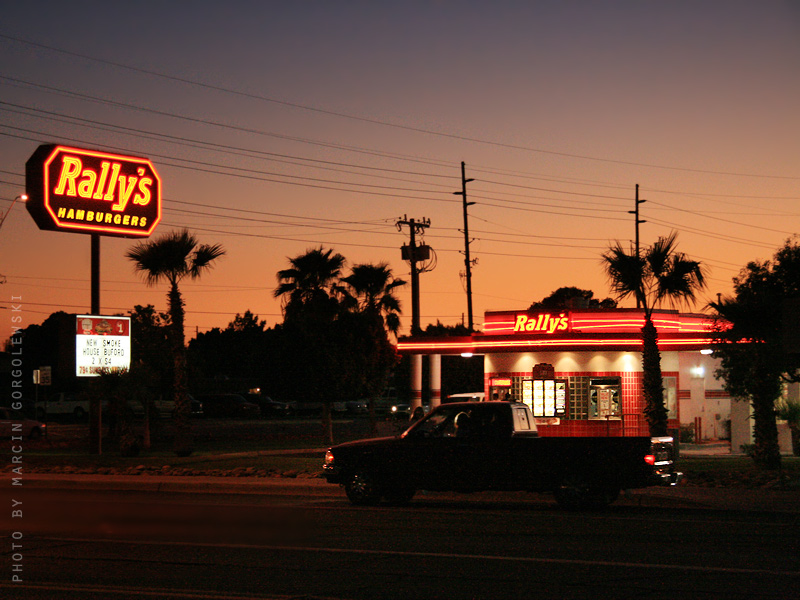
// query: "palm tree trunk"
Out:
[652,384]
[327,423]
[183,444]
[767,453]
[373,421]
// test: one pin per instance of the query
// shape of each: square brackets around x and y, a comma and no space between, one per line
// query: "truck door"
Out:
[480,449]
[428,451]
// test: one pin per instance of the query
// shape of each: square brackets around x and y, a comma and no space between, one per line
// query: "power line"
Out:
[374,121]
[194,143]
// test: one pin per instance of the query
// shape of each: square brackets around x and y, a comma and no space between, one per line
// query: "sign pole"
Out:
[88,191]
[95,406]
[95,274]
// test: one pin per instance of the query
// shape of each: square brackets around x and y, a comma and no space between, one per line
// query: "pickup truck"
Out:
[77,406]
[478,446]
[63,404]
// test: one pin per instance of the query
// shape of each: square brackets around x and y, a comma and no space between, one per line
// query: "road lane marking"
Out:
[130,592]
[442,555]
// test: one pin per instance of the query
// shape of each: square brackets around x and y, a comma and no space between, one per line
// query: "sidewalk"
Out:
[721,448]
[761,500]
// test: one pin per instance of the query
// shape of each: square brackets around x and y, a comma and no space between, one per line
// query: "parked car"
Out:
[402,412]
[197,407]
[270,408]
[306,408]
[162,407]
[465,397]
[228,405]
[14,423]
[356,407]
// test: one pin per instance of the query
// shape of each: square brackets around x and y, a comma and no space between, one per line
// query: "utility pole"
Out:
[467,260]
[638,222]
[413,254]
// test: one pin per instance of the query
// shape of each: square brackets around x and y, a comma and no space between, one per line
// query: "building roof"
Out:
[570,330]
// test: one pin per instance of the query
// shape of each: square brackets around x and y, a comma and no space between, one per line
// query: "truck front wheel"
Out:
[362,489]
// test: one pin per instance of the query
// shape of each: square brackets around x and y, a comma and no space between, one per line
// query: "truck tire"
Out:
[362,489]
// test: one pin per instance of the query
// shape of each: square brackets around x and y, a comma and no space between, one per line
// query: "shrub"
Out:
[687,434]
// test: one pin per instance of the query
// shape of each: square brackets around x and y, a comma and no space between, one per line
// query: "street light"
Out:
[23,197]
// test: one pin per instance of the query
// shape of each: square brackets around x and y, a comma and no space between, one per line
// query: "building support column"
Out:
[416,381]
[436,380]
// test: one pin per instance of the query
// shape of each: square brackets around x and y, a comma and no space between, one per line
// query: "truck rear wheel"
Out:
[362,489]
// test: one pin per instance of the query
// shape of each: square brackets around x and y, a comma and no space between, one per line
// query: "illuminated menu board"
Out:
[527,392]
[561,398]
[549,398]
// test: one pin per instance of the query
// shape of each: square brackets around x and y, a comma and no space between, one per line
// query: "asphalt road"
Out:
[303,540]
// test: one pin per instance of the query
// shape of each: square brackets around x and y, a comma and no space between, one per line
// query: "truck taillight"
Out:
[650,459]
[329,458]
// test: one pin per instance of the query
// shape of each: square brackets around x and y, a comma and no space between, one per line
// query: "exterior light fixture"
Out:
[707,351]
[23,197]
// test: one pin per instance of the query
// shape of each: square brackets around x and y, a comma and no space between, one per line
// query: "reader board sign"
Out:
[102,344]
[87,191]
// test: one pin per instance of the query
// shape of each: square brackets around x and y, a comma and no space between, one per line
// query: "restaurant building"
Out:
[580,371]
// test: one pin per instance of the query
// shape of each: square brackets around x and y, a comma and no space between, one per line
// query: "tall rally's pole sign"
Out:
[77,190]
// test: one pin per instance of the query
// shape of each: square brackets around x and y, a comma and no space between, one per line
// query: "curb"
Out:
[683,497]
[176,483]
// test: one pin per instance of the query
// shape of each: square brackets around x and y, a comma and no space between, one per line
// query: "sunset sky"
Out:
[280,127]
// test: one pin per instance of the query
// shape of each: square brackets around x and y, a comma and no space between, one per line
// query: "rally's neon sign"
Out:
[87,191]
[543,323]
[116,189]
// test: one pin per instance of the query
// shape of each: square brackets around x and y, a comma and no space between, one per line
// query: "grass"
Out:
[739,471]
[206,463]
[261,446]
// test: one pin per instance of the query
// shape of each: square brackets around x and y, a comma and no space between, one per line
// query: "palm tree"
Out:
[311,284]
[659,274]
[373,289]
[171,258]
[313,296]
